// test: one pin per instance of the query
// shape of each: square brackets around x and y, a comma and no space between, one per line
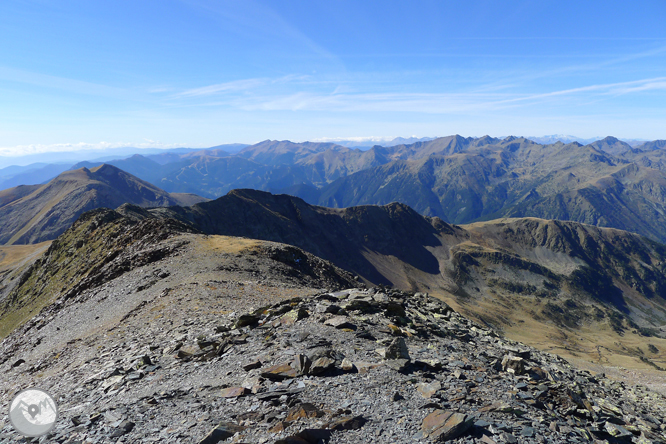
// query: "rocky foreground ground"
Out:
[201,346]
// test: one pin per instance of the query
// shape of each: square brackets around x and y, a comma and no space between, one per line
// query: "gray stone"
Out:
[427,390]
[442,425]
[321,365]
[340,322]
[222,431]
[397,349]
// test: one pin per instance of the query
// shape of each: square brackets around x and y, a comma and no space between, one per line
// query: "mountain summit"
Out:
[38,213]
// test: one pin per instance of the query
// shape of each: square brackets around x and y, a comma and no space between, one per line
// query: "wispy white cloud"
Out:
[437,103]
[520,77]
[60,83]
[240,85]
[657,84]
[26,150]
[161,89]
[620,88]
[237,85]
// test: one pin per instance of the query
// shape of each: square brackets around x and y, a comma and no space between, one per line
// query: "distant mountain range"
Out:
[606,183]
[99,155]
[367,142]
[554,138]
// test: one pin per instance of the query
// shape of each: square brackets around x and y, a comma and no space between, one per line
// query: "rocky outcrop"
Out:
[307,379]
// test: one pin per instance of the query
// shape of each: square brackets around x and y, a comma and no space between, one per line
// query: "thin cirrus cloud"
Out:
[60,83]
[608,89]
[239,85]
[439,103]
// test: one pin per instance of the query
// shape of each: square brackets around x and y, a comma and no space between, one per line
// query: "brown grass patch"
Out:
[12,256]
[227,244]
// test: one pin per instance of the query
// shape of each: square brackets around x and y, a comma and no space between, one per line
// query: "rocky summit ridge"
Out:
[171,335]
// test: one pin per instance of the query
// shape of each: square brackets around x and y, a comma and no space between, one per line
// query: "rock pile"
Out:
[375,365]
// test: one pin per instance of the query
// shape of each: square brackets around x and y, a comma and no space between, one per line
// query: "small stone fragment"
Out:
[222,431]
[124,428]
[442,425]
[608,407]
[188,351]
[509,438]
[245,320]
[397,349]
[498,406]
[301,364]
[280,372]
[279,427]
[340,322]
[347,365]
[233,392]
[365,367]
[347,423]
[396,310]
[399,365]
[252,365]
[294,316]
[487,440]
[304,410]
[527,432]
[617,431]
[321,365]
[513,364]
[307,436]
[427,390]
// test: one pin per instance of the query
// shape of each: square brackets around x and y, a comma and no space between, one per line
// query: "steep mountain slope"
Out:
[215,176]
[45,212]
[13,194]
[632,197]
[140,166]
[585,292]
[276,152]
[653,145]
[611,145]
[453,187]
[173,337]
[515,178]
[337,235]
[617,279]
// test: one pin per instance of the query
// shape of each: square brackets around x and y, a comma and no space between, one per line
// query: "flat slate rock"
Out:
[280,372]
[443,425]
[222,431]
[340,322]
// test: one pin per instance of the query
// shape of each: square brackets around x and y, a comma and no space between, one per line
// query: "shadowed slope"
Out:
[620,273]
[339,235]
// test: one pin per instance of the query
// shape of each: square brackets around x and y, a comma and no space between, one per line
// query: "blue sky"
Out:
[82,74]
